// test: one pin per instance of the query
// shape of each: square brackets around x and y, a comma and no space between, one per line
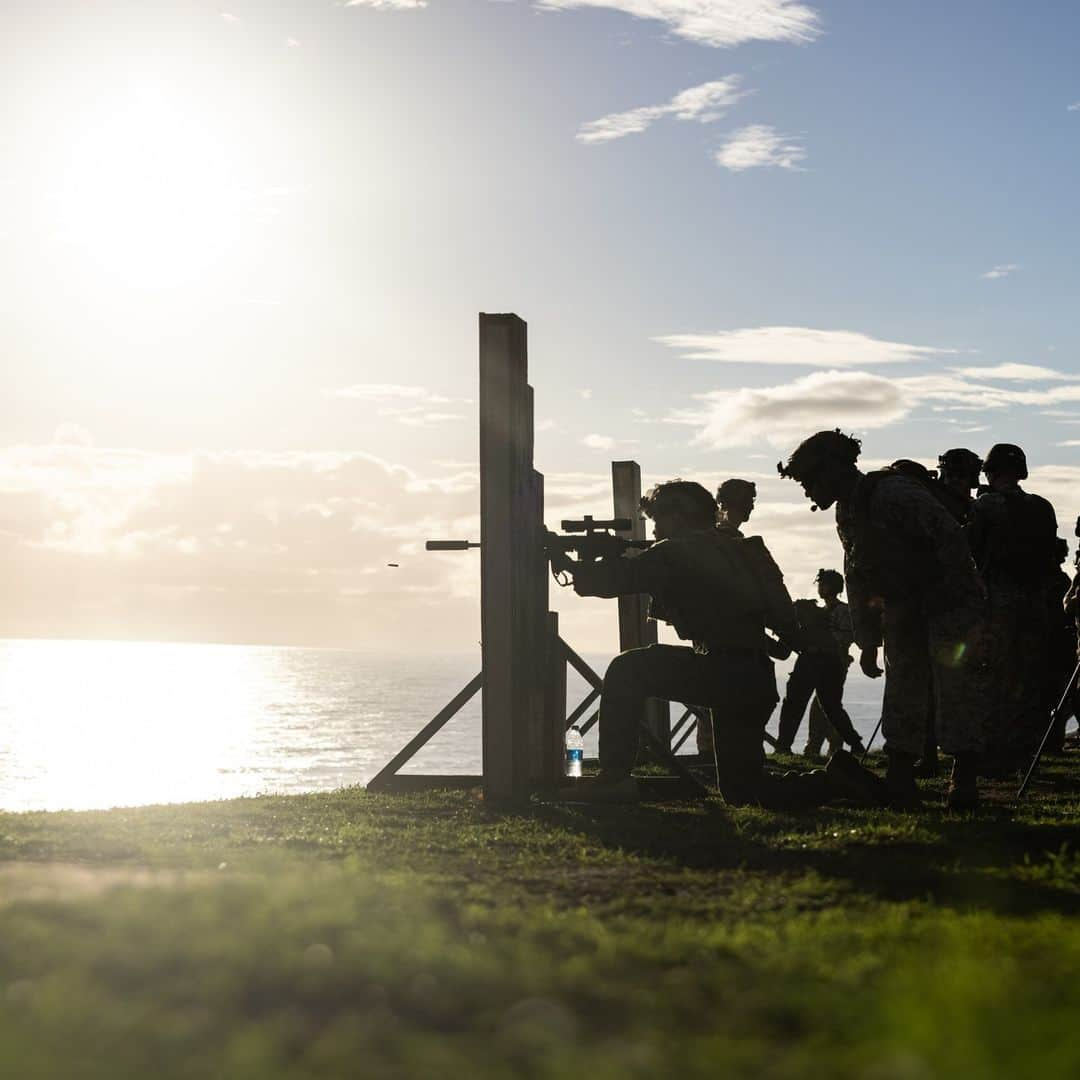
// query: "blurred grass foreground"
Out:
[347,934]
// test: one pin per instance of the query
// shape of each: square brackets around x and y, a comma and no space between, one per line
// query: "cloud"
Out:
[793,410]
[760,146]
[1074,107]
[718,23]
[1013,372]
[242,546]
[857,399]
[408,405]
[703,103]
[598,442]
[1000,271]
[387,5]
[798,345]
[229,18]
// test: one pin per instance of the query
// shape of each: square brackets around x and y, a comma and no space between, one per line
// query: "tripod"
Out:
[1070,687]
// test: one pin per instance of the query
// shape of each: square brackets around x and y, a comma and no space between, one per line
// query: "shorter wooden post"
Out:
[636,630]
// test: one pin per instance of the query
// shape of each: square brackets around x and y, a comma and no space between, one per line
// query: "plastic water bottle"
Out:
[575,751]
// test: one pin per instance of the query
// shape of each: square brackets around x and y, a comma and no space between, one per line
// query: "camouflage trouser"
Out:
[1017,670]
[821,730]
[742,679]
[933,662]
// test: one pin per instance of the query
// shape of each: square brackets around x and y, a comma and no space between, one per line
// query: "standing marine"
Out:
[913,588]
[719,592]
[736,498]
[958,477]
[1013,536]
[830,585]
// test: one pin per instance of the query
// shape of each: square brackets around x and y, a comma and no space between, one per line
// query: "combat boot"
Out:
[900,781]
[847,779]
[963,793]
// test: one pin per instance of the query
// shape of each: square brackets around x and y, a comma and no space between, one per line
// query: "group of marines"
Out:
[965,594]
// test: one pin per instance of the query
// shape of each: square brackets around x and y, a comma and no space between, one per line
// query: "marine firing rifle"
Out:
[590,540]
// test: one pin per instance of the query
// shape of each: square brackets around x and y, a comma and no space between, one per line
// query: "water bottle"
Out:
[575,751]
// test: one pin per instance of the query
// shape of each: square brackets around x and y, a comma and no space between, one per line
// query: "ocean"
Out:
[96,724]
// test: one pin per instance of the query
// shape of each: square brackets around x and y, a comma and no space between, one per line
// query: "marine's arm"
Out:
[866,627]
[780,614]
[644,573]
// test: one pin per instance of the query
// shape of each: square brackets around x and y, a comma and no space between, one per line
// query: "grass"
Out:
[349,934]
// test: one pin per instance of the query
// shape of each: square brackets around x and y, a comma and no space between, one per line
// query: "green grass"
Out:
[349,934]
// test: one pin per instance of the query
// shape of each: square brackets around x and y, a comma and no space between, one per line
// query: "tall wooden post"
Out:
[635,628]
[513,585]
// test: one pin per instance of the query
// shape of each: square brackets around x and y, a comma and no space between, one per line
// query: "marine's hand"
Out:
[560,560]
[868,663]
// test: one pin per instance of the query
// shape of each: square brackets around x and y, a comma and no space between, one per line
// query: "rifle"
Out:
[590,540]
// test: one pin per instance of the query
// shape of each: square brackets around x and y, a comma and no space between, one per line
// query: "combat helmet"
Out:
[824,448]
[834,577]
[1006,456]
[961,462]
[736,491]
[681,496]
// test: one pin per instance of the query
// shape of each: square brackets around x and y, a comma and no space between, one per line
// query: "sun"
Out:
[143,190]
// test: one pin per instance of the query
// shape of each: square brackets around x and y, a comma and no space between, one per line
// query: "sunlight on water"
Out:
[98,724]
[87,724]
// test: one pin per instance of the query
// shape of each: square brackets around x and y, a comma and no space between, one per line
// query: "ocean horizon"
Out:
[99,724]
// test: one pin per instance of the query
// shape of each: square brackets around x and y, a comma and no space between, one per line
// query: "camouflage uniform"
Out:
[1013,538]
[721,593]
[913,587]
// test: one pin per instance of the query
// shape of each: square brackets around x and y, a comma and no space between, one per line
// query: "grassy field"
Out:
[348,934]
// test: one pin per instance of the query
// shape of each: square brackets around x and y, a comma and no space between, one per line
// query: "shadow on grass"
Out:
[993,860]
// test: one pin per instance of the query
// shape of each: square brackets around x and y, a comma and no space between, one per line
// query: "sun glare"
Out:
[144,190]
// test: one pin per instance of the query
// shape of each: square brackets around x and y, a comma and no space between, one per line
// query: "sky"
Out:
[243,247]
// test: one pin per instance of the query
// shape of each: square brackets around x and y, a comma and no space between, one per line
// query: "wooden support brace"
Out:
[379,782]
[583,708]
[581,667]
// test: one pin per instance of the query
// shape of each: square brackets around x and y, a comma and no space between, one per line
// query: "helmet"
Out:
[824,448]
[681,496]
[964,462]
[1006,456]
[736,491]
[832,576]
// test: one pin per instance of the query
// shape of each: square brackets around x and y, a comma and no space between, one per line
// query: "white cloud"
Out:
[760,146]
[798,345]
[1069,442]
[1000,271]
[388,5]
[719,23]
[598,442]
[779,414]
[585,393]
[1013,372]
[229,18]
[386,392]
[703,103]
[408,405]
[1074,107]
[241,546]
[854,399]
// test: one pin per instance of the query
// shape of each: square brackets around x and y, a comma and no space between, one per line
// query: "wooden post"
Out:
[635,628]
[513,585]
